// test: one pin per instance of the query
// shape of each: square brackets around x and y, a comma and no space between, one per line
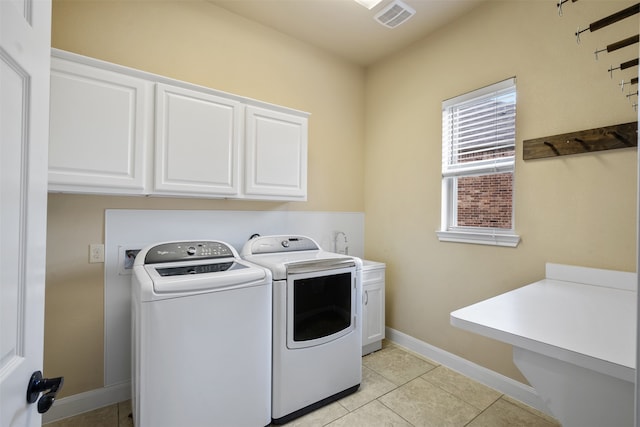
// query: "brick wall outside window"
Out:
[485,201]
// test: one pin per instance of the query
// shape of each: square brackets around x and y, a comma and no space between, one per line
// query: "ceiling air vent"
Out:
[394,14]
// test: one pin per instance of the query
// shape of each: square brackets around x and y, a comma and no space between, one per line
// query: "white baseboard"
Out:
[94,399]
[515,389]
[87,401]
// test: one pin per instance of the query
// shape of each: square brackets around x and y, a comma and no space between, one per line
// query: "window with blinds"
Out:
[478,156]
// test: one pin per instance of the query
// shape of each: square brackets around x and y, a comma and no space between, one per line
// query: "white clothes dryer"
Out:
[317,335]
[201,335]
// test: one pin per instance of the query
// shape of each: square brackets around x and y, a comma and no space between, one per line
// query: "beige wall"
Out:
[200,43]
[577,209]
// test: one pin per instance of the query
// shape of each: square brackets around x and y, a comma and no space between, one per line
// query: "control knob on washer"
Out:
[191,250]
[285,243]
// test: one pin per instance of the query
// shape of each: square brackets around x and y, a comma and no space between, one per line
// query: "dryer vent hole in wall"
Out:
[129,257]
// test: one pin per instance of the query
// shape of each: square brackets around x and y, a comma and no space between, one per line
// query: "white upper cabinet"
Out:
[276,154]
[100,129]
[206,143]
[197,142]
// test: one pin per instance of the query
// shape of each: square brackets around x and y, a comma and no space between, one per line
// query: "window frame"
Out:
[469,234]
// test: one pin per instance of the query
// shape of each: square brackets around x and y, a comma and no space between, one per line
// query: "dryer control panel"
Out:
[182,251]
[279,244]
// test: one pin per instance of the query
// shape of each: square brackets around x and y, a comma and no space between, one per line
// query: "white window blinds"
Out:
[479,131]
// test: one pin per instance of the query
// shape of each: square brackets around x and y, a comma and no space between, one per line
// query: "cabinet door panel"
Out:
[276,154]
[197,139]
[98,129]
[374,313]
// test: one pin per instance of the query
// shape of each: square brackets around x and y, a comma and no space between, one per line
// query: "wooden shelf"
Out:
[585,141]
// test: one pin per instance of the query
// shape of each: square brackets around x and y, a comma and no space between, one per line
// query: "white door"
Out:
[25,27]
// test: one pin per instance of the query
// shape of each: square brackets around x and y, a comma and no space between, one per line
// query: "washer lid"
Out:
[188,269]
[204,275]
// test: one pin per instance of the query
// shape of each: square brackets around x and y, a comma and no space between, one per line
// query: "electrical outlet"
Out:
[96,253]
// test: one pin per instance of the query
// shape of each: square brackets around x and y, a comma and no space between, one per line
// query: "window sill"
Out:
[478,238]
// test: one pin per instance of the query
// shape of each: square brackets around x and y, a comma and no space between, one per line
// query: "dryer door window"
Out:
[321,307]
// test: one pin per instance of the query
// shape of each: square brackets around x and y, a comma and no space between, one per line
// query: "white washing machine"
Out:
[317,335]
[201,320]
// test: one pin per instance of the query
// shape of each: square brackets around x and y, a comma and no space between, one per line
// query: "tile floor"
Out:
[398,388]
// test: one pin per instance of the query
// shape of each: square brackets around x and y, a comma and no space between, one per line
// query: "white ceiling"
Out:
[346,28]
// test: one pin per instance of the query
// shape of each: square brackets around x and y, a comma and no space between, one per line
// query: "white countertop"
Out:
[590,325]
[368,264]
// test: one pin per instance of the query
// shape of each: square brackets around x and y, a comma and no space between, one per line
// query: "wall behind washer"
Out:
[133,229]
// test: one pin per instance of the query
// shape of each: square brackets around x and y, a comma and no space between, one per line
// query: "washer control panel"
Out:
[182,251]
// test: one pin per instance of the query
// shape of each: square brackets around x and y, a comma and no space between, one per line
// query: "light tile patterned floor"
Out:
[109,416]
[398,388]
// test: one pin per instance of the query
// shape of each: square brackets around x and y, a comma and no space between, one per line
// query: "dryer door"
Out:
[321,306]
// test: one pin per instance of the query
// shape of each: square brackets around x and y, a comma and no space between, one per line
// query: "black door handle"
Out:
[37,385]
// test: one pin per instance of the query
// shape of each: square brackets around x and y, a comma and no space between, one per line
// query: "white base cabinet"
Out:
[206,143]
[373,289]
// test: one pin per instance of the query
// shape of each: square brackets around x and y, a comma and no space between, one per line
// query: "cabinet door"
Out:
[197,140]
[373,312]
[99,129]
[276,155]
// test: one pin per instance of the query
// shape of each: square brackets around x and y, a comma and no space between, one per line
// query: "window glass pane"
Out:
[480,130]
[485,201]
